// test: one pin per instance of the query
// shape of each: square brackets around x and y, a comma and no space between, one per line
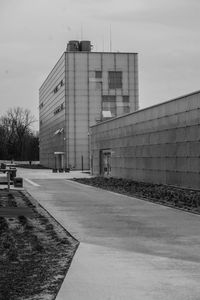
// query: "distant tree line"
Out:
[17,139]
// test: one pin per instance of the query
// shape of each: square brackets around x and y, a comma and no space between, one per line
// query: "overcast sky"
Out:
[34,34]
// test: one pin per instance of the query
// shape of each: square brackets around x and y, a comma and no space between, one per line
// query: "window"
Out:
[109,104]
[125,99]
[59,131]
[98,74]
[61,83]
[55,90]
[126,107]
[98,79]
[115,79]
[41,105]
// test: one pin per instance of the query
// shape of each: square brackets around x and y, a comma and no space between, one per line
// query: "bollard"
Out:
[8,178]
[18,182]
[13,174]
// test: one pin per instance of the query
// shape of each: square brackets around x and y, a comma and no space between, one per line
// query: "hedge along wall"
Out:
[160,144]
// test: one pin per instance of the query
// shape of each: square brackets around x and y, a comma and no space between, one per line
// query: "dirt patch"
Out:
[185,199]
[35,250]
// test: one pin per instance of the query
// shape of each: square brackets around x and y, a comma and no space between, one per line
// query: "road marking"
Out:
[31,182]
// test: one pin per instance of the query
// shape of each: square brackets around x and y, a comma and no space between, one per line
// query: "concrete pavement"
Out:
[129,248]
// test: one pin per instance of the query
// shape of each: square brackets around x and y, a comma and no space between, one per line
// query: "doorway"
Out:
[105,162]
[59,160]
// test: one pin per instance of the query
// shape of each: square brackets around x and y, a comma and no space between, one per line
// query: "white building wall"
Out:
[82,96]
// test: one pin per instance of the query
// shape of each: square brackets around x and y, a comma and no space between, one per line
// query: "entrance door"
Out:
[59,160]
[105,161]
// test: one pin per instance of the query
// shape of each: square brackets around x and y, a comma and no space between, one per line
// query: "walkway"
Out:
[130,248]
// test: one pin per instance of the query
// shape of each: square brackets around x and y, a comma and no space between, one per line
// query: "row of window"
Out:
[114,80]
[108,104]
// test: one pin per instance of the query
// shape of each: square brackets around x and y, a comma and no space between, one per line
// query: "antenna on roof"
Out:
[103,43]
[110,39]
[81,32]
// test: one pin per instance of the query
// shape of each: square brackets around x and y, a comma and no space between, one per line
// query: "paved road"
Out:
[130,248]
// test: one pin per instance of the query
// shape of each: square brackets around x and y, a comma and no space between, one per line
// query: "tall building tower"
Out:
[82,89]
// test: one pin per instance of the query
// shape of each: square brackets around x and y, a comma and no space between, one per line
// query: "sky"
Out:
[34,34]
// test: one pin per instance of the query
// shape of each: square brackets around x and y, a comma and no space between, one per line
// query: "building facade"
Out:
[83,89]
[159,144]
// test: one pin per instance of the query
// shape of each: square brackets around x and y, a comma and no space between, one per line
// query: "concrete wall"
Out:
[160,144]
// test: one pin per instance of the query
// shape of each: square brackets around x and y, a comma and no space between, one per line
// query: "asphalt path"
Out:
[129,248]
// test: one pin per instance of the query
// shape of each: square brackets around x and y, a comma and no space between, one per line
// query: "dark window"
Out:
[98,74]
[115,79]
[55,90]
[41,105]
[109,99]
[58,108]
[61,83]
[125,99]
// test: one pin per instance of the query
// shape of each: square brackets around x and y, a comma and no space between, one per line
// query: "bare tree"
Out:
[16,126]
[3,142]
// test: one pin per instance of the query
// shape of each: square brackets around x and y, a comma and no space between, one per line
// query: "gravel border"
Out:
[35,250]
[171,196]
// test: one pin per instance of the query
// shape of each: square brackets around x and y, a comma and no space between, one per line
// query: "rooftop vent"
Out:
[73,46]
[85,46]
[82,46]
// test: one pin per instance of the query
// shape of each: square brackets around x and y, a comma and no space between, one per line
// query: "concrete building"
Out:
[83,88]
[159,144]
